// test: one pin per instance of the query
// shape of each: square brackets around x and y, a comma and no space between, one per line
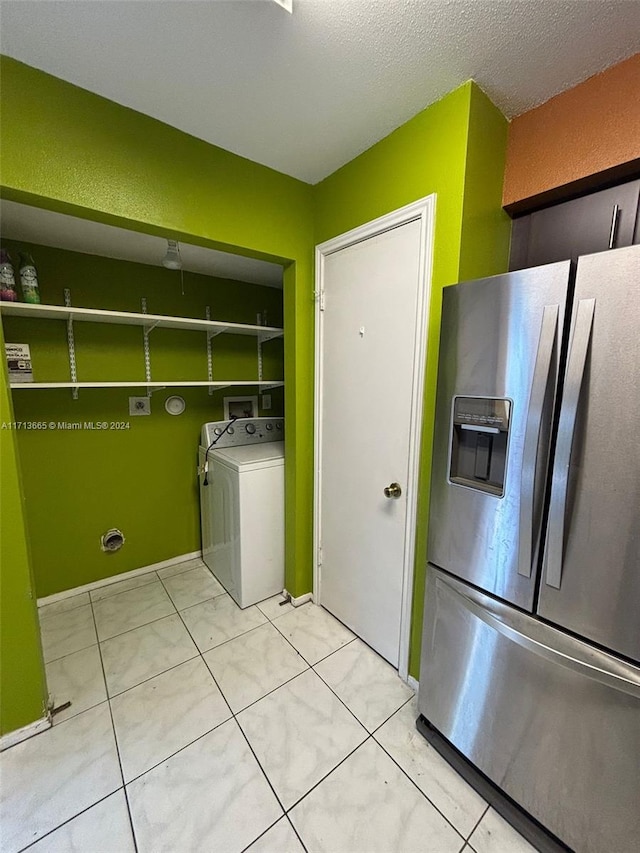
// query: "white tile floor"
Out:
[197,726]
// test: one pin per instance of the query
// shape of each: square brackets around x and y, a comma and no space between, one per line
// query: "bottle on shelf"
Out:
[29,279]
[7,278]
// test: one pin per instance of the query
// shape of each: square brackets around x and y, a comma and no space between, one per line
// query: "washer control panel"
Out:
[242,431]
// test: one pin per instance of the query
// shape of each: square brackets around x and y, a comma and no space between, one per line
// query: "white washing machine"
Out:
[242,506]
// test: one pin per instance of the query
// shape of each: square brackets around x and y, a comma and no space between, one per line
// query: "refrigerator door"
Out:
[591,575]
[550,720]
[499,351]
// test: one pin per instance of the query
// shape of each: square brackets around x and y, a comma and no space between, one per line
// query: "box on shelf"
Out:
[19,362]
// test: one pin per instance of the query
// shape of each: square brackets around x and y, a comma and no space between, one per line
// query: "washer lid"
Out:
[249,456]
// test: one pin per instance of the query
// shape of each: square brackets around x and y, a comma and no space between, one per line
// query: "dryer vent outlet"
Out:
[112,540]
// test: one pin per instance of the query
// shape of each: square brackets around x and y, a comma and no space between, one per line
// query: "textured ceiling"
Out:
[306,92]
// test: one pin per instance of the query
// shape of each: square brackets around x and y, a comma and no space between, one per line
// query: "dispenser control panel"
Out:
[478,443]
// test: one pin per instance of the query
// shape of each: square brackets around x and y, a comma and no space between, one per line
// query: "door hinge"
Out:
[319,297]
[319,555]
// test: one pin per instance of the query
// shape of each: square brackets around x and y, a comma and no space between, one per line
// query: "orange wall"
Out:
[591,129]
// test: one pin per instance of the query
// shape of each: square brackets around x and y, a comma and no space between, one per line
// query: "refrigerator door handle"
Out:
[539,385]
[501,617]
[566,428]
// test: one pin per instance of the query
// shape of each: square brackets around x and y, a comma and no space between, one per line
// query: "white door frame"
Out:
[424,211]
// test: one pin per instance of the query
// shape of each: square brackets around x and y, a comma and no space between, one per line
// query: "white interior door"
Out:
[370,354]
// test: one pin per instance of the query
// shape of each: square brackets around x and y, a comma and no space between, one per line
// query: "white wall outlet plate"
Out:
[139,406]
[175,405]
[266,401]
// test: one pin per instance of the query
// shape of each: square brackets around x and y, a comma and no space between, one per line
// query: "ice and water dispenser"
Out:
[479,440]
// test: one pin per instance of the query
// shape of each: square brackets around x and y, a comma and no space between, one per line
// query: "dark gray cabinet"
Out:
[607,219]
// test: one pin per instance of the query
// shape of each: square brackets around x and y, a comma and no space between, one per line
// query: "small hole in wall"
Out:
[112,540]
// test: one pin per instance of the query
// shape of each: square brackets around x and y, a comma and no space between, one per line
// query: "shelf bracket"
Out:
[269,336]
[259,323]
[210,335]
[71,343]
[147,349]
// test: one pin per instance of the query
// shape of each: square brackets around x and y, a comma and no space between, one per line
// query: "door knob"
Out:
[392,491]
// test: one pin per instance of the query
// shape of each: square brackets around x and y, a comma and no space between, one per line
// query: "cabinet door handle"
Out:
[614,225]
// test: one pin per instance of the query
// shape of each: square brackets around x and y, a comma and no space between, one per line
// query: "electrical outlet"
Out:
[139,406]
[266,401]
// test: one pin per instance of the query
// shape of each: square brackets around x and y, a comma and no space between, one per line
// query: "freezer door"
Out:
[591,574]
[499,350]
[549,719]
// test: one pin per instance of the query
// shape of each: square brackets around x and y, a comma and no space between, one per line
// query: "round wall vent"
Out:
[112,540]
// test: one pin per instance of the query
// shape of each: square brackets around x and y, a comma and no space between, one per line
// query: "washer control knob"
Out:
[250,428]
[230,431]
[278,426]
[269,427]
[217,431]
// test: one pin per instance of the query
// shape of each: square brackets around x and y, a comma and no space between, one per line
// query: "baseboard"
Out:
[413,683]
[301,599]
[17,736]
[68,593]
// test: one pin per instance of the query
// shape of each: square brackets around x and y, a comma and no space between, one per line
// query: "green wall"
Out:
[455,148]
[68,150]
[142,479]
[22,685]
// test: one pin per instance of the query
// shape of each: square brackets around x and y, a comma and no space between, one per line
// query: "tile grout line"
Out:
[90,603]
[177,752]
[415,785]
[404,704]
[150,678]
[42,615]
[273,690]
[125,592]
[370,735]
[326,657]
[479,821]
[224,642]
[143,625]
[360,723]
[263,833]
[107,700]
[115,739]
[233,716]
[68,820]
[62,657]
[298,836]
[329,773]
[273,622]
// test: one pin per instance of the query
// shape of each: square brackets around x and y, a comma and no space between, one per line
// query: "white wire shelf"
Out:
[264,385]
[129,318]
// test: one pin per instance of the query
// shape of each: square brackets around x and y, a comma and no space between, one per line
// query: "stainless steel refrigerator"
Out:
[531,643]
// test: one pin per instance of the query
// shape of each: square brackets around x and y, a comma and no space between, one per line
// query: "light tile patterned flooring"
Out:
[197,726]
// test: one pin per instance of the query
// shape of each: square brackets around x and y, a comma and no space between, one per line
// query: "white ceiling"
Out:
[306,92]
[34,225]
